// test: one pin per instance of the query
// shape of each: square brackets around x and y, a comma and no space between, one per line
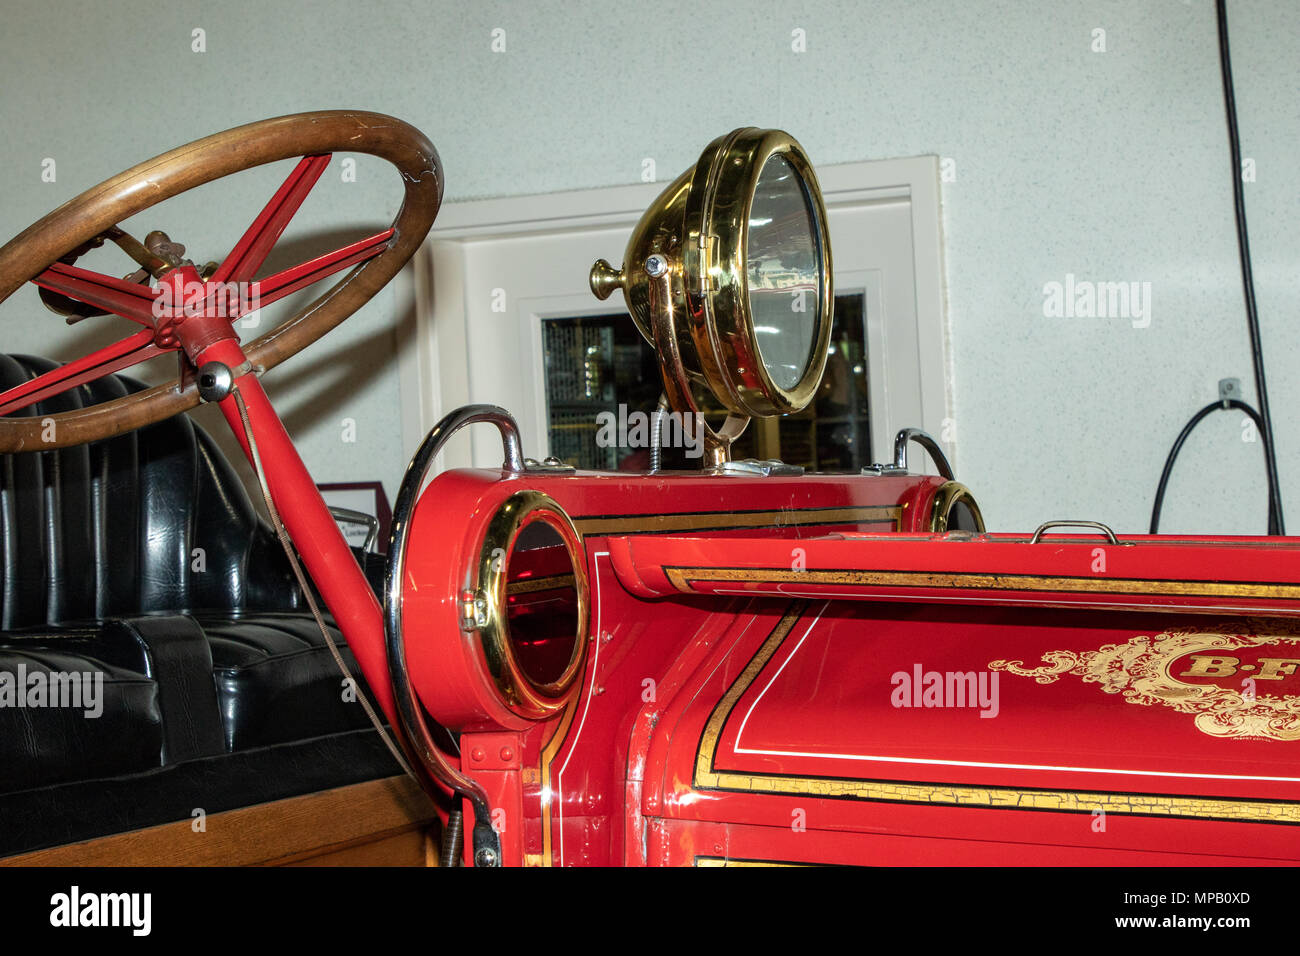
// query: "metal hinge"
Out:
[473,610]
[701,260]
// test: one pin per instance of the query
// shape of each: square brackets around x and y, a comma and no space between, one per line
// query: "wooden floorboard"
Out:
[379,822]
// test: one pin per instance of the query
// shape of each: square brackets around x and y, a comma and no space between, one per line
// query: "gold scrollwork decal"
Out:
[1235,702]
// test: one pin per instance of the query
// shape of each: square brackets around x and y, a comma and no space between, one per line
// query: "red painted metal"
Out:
[277,286]
[617,780]
[990,569]
[112,358]
[325,553]
[130,300]
[255,245]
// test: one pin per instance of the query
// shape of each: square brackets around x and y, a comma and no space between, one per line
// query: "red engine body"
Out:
[797,670]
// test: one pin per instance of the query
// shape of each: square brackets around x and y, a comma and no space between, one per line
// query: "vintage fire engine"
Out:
[740,664]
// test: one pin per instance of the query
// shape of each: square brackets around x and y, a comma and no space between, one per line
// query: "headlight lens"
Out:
[782,265]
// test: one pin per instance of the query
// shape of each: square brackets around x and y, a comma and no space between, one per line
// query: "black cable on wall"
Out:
[1274,517]
[1247,276]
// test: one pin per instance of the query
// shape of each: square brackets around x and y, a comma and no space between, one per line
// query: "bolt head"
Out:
[656,265]
[215,381]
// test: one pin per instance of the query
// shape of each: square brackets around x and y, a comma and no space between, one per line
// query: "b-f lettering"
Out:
[1270,668]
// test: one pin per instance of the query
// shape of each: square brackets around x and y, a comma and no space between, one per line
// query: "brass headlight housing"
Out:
[728,275]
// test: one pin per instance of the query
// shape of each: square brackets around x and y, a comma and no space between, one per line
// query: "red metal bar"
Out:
[255,244]
[320,544]
[277,286]
[130,300]
[112,358]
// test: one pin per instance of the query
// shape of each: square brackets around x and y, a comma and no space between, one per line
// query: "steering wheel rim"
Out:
[91,214]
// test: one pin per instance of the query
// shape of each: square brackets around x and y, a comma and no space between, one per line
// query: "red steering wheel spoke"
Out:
[131,350]
[277,286]
[128,299]
[255,245]
[249,254]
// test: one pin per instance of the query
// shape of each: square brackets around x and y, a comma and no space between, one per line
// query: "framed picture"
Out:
[362,511]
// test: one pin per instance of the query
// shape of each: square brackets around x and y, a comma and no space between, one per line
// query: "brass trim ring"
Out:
[717,280]
[520,693]
[949,495]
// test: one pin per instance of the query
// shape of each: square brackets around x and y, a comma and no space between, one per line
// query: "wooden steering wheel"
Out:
[44,253]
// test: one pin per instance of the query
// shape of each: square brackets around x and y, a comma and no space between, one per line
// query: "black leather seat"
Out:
[139,565]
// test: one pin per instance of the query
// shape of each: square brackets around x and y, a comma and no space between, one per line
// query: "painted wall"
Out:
[1108,166]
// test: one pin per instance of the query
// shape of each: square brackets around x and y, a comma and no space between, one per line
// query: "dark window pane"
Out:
[595,364]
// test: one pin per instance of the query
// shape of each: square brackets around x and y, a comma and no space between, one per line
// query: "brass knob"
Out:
[605,279]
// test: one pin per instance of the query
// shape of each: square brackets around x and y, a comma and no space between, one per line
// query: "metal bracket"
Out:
[1229,388]
[899,467]
[349,516]
[473,610]
[747,467]
[548,465]
[701,254]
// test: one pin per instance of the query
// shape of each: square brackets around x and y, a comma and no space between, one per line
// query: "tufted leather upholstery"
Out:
[121,526]
[141,558]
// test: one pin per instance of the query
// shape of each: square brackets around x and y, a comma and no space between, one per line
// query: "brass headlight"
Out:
[728,274]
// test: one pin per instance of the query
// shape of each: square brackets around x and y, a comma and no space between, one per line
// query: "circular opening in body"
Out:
[530,605]
[542,606]
[955,509]
[962,518]
[783,272]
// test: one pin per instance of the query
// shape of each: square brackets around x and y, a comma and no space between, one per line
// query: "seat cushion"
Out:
[158,690]
[277,681]
[68,714]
